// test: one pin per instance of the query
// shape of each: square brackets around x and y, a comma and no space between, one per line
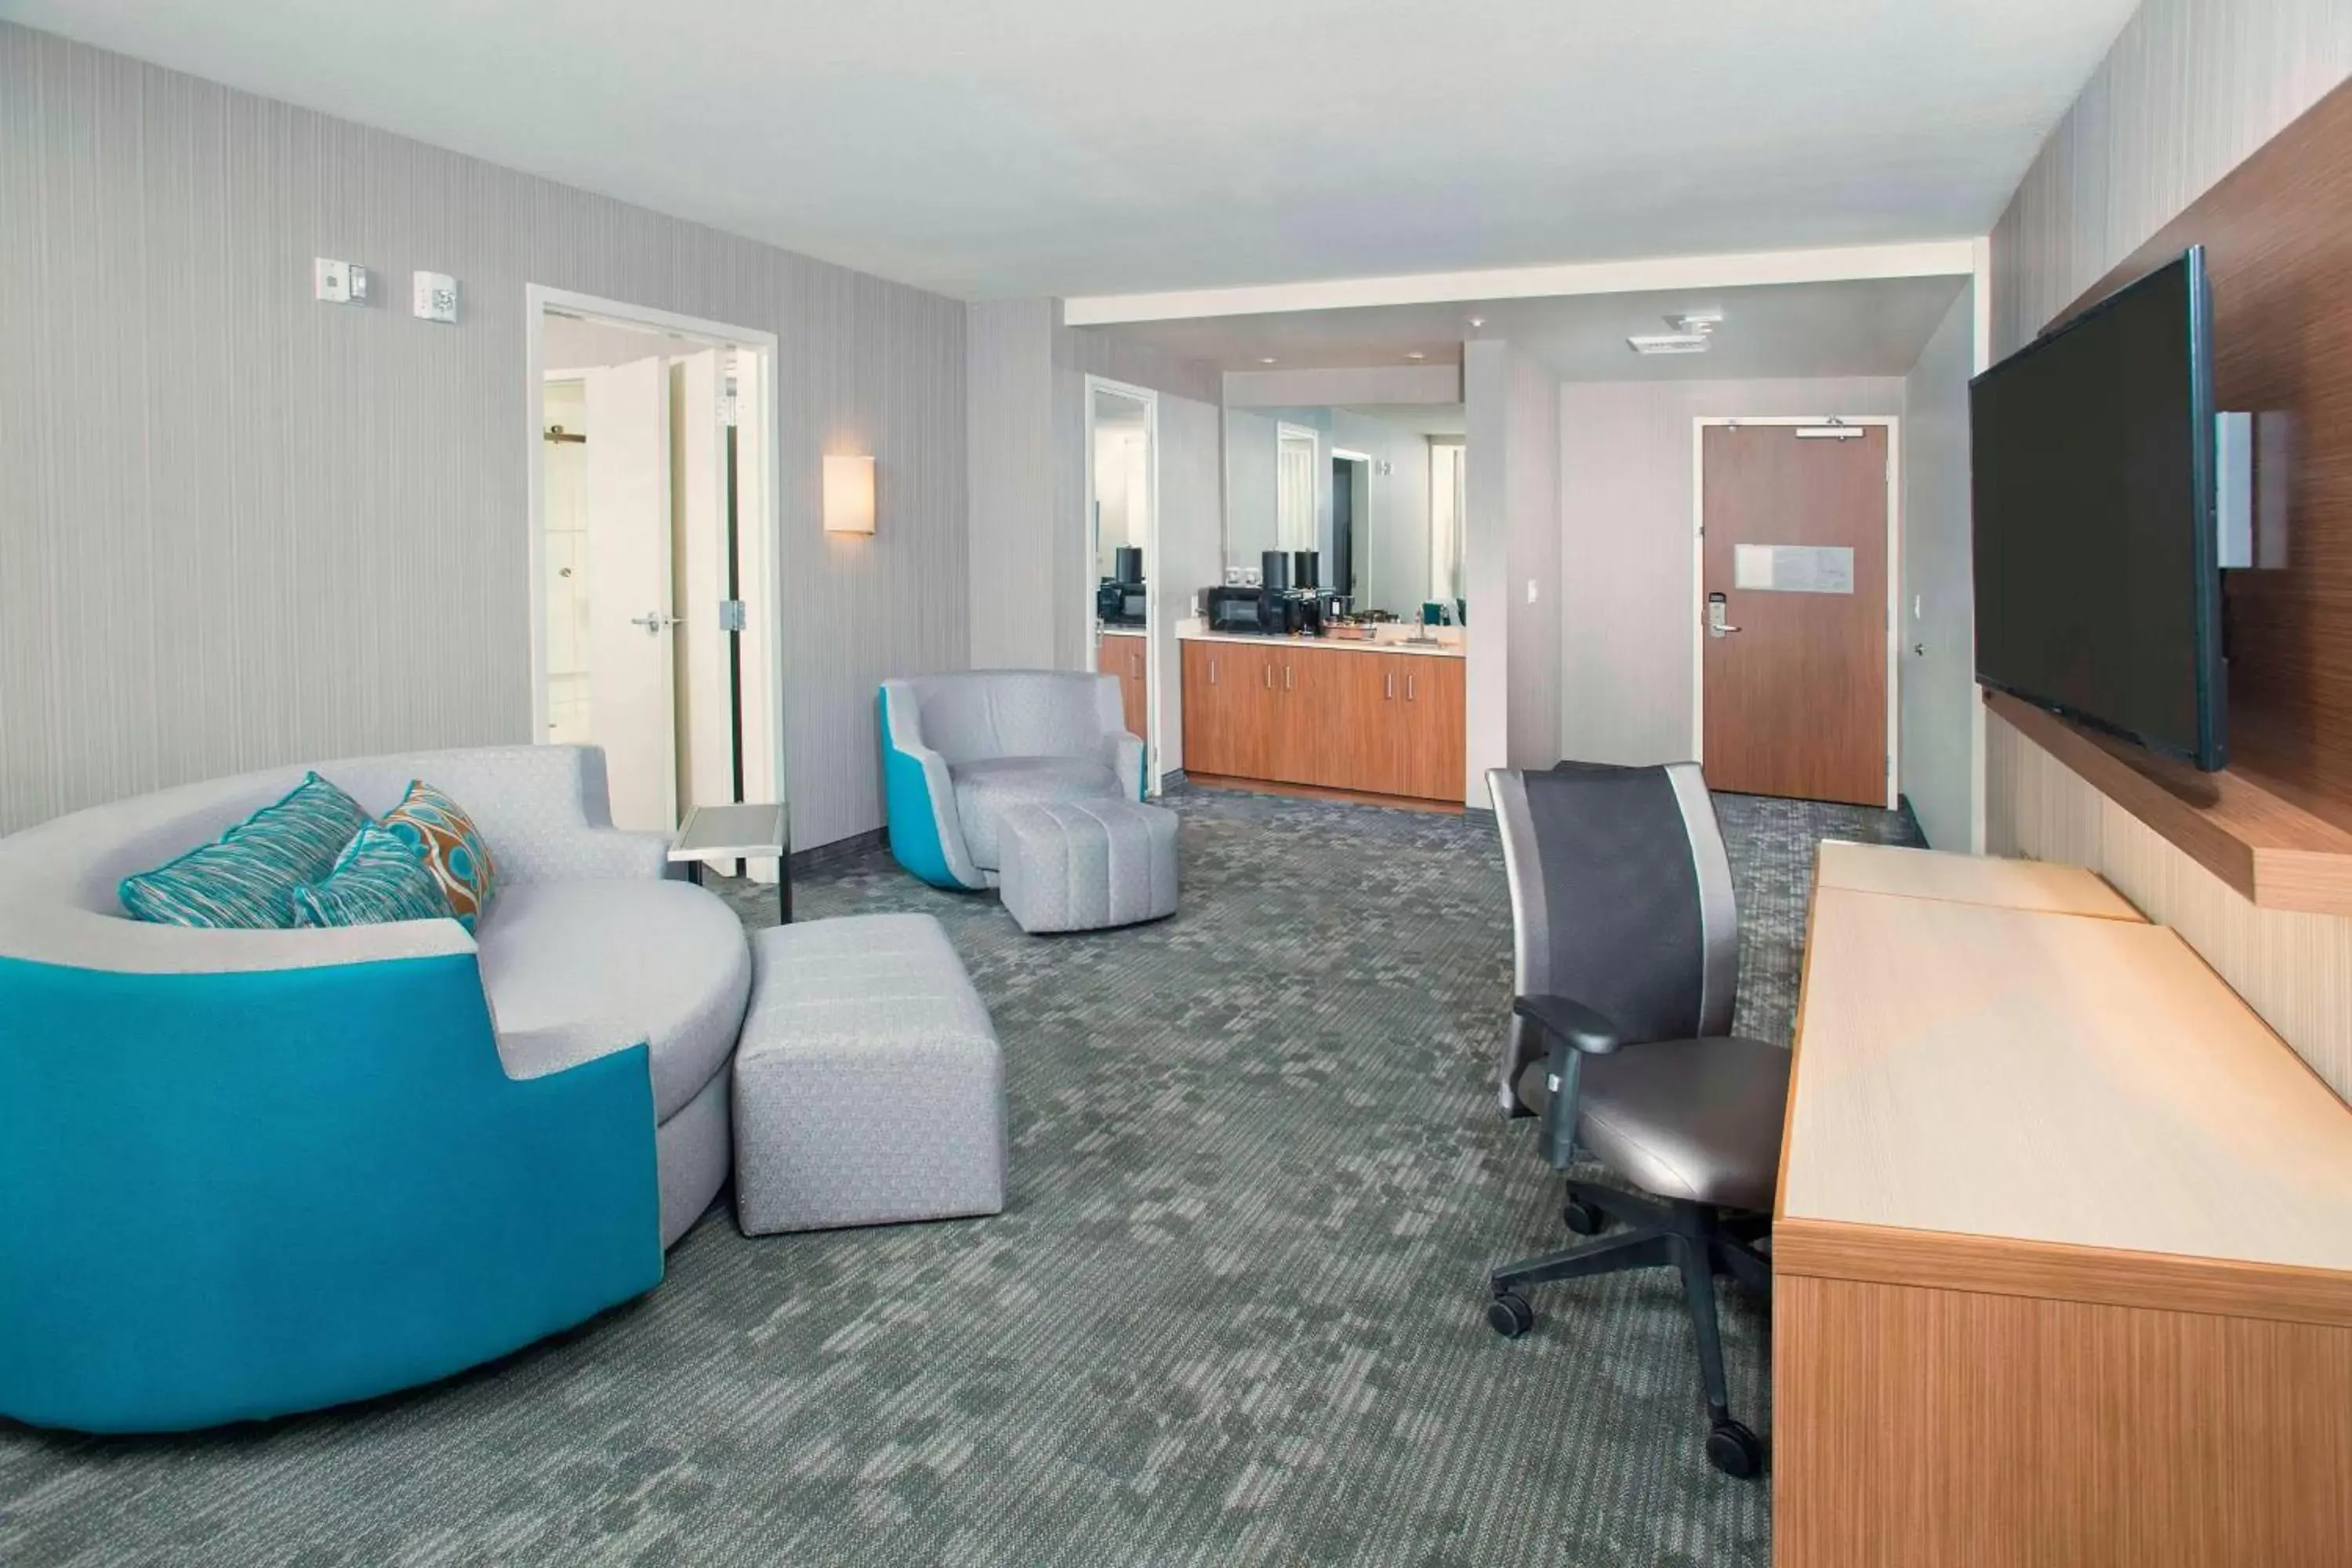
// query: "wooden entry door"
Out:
[1795,546]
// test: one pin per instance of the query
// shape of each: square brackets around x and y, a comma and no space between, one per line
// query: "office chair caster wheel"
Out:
[1734,1450]
[1582,1217]
[1510,1315]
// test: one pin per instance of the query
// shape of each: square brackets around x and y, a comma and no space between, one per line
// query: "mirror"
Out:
[1376,492]
[1122,461]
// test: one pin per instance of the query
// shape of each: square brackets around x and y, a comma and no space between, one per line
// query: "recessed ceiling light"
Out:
[1267,360]
[1417,354]
[1477,320]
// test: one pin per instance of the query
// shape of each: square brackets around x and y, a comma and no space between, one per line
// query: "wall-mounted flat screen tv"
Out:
[2098,592]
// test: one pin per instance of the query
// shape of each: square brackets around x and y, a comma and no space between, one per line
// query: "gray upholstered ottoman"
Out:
[1084,865]
[869,1087]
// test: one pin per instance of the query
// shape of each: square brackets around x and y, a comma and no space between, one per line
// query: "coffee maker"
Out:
[1120,599]
[1297,608]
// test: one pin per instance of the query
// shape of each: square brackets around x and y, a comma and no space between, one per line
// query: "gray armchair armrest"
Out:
[1576,1031]
[1123,754]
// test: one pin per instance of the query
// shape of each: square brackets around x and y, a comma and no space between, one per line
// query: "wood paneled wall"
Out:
[2277,232]
[238,528]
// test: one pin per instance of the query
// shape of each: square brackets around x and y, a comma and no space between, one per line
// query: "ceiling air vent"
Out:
[1692,328]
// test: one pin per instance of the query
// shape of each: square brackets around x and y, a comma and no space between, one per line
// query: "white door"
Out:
[706,699]
[631,621]
[755,581]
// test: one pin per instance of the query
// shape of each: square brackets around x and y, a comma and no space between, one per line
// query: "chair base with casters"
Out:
[1699,1240]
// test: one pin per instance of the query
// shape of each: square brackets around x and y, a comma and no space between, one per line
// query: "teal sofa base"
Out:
[230,1196]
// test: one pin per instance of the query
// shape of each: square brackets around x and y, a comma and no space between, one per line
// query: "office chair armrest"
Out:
[1566,1018]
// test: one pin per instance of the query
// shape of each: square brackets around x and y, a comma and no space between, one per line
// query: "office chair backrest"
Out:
[1622,898]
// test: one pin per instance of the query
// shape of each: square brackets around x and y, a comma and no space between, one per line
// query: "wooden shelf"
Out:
[2250,835]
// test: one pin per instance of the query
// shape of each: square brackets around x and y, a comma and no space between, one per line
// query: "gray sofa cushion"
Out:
[574,970]
[985,790]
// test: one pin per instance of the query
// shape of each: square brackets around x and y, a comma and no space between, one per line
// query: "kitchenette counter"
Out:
[1342,645]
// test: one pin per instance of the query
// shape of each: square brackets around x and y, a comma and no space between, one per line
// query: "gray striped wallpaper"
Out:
[238,528]
[2190,88]
[1010,378]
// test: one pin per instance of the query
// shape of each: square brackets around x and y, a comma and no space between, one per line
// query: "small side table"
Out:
[759,832]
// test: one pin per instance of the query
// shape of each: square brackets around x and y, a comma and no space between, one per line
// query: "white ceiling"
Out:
[1029,147]
[1870,327]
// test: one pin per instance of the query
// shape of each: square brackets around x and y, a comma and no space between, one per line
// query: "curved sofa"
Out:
[961,750]
[248,1173]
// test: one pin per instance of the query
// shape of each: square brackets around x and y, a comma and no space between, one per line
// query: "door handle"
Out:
[1717,625]
[654,622]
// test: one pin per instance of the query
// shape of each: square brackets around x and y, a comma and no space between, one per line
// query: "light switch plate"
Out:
[436,297]
[338,282]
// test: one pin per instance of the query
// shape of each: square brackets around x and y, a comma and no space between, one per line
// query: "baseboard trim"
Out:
[824,855]
[1318,792]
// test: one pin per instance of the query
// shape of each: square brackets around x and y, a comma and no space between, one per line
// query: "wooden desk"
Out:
[2064,1242]
[1969,880]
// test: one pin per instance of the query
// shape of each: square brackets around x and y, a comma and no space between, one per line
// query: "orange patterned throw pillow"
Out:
[452,845]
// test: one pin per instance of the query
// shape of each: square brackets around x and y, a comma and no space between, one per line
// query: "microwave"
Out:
[1121,603]
[1236,609]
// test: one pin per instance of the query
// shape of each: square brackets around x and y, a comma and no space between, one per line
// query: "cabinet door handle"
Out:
[1388,686]
[1267,671]
[1408,689]
[1285,677]
[1213,672]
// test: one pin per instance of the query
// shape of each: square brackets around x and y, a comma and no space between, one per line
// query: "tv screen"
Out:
[2097,589]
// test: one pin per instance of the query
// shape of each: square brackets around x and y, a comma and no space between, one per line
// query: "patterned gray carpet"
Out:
[1231,1316]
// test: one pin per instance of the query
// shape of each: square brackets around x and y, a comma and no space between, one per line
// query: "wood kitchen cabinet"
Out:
[1122,654]
[1335,717]
[1436,726]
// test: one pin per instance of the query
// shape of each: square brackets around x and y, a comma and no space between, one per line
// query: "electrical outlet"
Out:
[436,297]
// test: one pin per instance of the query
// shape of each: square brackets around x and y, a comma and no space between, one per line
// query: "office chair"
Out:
[1627,963]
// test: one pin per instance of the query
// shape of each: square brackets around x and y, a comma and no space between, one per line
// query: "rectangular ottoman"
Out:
[1085,865]
[869,1087]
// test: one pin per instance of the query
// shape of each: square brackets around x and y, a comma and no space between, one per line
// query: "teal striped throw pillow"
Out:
[244,880]
[378,878]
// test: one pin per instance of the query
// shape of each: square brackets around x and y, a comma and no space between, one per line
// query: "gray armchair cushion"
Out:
[986,790]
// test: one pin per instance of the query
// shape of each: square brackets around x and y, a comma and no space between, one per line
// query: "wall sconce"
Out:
[849,495]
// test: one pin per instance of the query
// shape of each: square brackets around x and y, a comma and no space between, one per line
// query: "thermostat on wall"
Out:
[436,297]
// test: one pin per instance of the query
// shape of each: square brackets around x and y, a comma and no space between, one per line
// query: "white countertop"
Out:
[1344,644]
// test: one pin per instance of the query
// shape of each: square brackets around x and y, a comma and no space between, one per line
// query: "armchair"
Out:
[1627,962]
[961,750]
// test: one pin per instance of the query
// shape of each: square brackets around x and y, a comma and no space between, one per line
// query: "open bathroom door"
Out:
[632,621]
